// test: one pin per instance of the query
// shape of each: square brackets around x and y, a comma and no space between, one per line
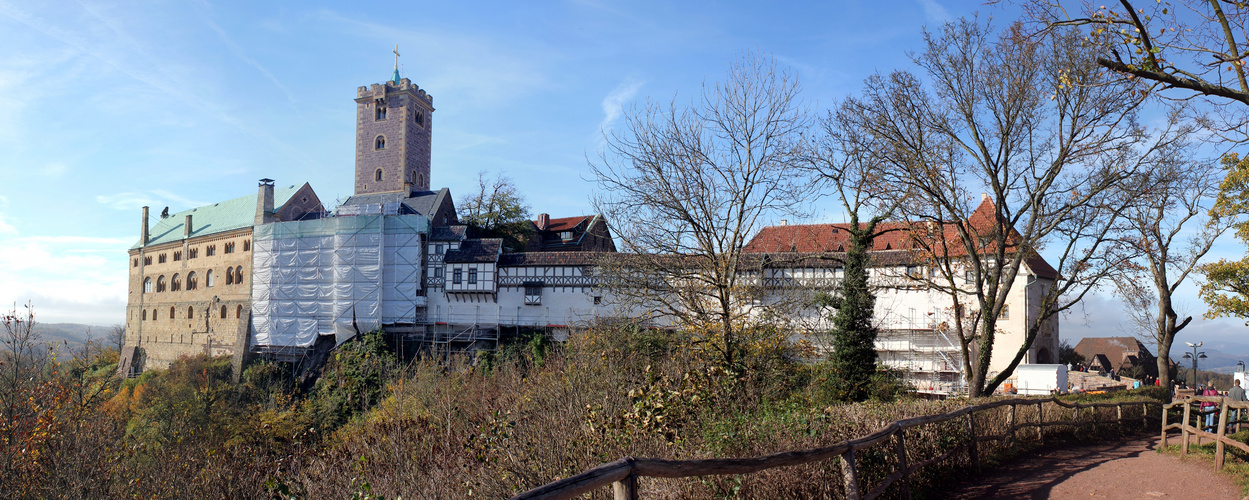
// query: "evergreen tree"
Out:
[854,334]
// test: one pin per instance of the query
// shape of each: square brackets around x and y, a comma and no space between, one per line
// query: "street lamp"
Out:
[1194,356]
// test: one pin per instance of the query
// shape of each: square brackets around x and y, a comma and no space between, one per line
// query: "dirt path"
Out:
[1124,470]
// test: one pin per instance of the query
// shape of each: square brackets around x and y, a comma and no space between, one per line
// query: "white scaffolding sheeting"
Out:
[310,278]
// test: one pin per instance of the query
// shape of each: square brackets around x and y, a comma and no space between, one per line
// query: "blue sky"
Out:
[107,107]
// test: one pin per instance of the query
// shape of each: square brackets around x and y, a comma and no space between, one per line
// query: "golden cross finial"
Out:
[396,51]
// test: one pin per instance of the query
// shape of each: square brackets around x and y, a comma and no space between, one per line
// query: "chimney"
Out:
[264,202]
[784,222]
[143,235]
[544,220]
[186,228]
[984,197]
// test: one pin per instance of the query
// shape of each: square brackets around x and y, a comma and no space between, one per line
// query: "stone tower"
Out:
[394,121]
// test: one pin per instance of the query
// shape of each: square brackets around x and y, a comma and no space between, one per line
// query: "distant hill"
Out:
[72,333]
[1221,357]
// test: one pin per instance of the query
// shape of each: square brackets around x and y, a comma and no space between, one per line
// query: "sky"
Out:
[108,107]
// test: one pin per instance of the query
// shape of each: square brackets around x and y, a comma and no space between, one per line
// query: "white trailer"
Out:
[1041,379]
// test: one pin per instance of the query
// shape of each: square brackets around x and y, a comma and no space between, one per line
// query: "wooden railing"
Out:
[623,474]
[1219,437]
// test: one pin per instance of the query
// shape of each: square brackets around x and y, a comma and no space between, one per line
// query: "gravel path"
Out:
[1127,470]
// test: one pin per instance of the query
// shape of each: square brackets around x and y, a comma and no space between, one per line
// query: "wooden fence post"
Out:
[1187,420]
[850,475]
[1164,426]
[626,489]
[1040,420]
[900,449]
[972,449]
[1144,415]
[1218,447]
[1119,414]
[1010,425]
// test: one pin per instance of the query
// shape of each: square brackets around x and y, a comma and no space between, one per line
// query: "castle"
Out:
[274,274]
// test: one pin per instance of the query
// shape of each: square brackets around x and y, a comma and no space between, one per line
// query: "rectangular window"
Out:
[915,272]
[598,300]
[437,272]
[839,272]
[472,276]
[455,276]
[533,294]
[969,276]
[1005,312]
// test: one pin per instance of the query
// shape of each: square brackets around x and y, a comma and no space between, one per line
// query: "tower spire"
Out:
[396,51]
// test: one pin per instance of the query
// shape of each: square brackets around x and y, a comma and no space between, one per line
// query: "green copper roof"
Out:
[396,79]
[216,218]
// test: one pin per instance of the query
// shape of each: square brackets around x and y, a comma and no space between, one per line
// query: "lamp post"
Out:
[1194,356]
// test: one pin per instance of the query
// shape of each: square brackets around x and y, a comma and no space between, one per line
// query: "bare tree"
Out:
[686,185]
[22,355]
[117,336]
[1168,231]
[1045,133]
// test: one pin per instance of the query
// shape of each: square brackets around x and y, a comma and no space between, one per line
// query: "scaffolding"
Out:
[335,276]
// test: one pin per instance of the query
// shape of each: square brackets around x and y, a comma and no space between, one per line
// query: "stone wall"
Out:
[196,325]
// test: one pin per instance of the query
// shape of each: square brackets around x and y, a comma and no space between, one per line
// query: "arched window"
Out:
[147,288]
[238,275]
[160,284]
[190,312]
[420,179]
[153,315]
[380,113]
[223,312]
[170,313]
[379,142]
[208,280]
[419,118]
[145,315]
[176,283]
[229,277]
[238,312]
[377,176]
[192,281]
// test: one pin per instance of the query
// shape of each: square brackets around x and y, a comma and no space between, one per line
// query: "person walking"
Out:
[1236,393]
[1210,409]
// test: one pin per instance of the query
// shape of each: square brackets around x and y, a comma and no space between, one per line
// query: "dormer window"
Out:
[379,142]
[565,235]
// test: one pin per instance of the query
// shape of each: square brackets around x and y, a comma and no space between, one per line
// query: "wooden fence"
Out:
[1220,437]
[622,474]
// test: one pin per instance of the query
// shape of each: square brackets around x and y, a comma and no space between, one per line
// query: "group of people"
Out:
[1236,393]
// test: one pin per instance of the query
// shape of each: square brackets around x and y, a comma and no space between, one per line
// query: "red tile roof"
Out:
[564,223]
[893,235]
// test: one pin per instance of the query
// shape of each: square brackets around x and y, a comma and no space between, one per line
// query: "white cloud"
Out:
[934,11]
[613,104]
[66,278]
